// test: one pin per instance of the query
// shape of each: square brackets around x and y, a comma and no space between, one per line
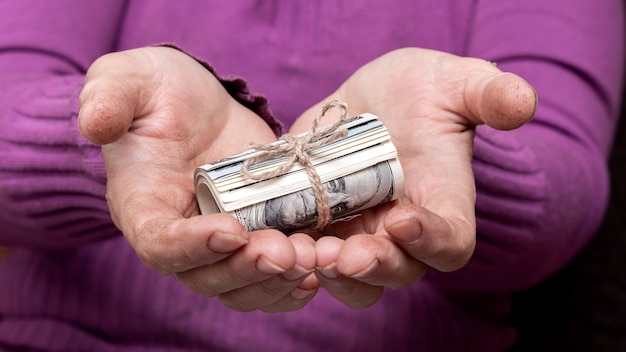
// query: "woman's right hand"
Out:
[159,114]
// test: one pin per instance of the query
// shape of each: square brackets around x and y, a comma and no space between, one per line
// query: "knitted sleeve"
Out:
[52,180]
[542,189]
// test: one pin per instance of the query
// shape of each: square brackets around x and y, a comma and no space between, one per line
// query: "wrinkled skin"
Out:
[159,114]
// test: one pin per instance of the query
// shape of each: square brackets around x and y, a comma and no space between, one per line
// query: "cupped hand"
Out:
[159,114]
[430,102]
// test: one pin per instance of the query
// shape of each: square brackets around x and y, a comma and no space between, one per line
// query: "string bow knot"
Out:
[296,149]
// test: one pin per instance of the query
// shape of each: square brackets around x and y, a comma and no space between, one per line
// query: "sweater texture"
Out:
[72,283]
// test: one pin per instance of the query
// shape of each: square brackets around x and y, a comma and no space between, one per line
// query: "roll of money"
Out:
[358,171]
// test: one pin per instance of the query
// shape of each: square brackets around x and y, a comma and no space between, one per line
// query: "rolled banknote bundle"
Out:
[358,170]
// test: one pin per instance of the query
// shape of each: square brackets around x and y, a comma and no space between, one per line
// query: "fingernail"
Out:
[329,271]
[367,271]
[266,266]
[299,293]
[406,231]
[296,273]
[221,242]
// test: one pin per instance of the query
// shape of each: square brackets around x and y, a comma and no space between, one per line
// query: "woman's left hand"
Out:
[430,102]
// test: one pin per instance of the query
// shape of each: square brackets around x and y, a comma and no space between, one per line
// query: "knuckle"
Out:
[151,258]
[284,305]
[196,282]
[459,254]
[235,302]
[150,242]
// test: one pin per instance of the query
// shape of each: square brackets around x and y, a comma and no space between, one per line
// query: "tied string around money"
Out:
[296,149]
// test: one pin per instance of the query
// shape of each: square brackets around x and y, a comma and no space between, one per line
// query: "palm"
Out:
[183,119]
[159,114]
[430,102]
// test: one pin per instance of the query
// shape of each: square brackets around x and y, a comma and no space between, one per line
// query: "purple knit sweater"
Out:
[71,281]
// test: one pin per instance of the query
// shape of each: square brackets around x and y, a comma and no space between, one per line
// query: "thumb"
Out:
[106,111]
[111,94]
[502,100]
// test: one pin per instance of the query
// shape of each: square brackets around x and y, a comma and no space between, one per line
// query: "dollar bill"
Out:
[347,195]
[359,129]
[358,171]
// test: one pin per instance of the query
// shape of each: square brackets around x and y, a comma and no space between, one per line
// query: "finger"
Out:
[501,100]
[267,254]
[297,298]
[173,244]
[378,261]
[114,86]
[353,293]
[304,247]
[272,295]
[266,293]
[445,244]
[281,292]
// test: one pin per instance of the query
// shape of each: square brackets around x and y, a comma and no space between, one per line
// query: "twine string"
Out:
[296,148]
